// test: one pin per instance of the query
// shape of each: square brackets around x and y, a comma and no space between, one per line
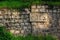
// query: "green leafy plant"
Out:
[5,35]
[25,3]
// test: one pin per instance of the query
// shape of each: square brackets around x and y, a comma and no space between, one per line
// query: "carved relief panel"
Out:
[40,20]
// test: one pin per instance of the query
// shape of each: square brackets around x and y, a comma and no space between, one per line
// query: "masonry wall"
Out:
[45,19]
[17,23]
[42,19]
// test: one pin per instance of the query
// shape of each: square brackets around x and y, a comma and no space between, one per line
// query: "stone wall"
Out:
[15,22]
[42,19]
[45,19]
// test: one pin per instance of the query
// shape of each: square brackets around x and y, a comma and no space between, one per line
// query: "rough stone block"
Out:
[50,11]
[39,6]
[22,24]
[40,26]
[55,10]
[1,17]
[12,31]
[34,16]
[33,6]
[42,10]
[26,23]
[35,10]
[17,32]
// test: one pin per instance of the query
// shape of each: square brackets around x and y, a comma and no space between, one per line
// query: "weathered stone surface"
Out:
[35,10]
[39,20]
[34,16]
[33,6]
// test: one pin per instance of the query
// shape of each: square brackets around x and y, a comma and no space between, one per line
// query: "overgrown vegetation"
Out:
[4,35]
[26,3]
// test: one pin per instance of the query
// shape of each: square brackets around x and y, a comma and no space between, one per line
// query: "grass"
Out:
[13,4]
[53,3]
[19,4]
[5,35]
